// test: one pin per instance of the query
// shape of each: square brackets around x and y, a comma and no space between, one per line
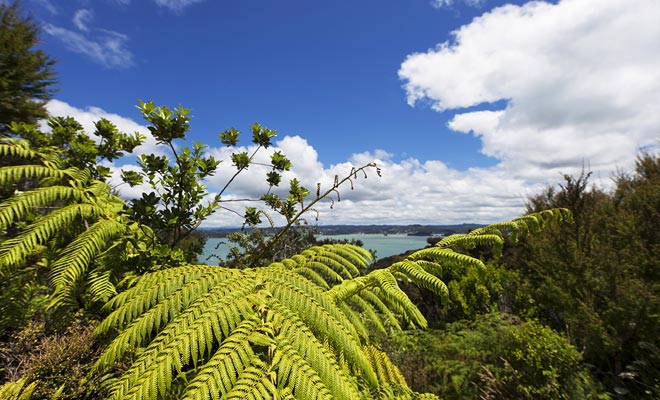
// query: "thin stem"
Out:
[238,172]
[269,245]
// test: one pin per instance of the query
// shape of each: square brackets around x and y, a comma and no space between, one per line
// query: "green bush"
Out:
[497,356]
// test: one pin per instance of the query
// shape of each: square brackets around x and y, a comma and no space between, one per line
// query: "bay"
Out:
[383,245]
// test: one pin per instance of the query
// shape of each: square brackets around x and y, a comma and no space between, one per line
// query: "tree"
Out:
[26,74]
[597,281]
[174,207]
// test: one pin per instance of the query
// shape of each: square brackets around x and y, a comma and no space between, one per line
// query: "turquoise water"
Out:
[384,246]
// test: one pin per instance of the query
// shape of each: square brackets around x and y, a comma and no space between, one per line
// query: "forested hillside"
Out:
[103,297]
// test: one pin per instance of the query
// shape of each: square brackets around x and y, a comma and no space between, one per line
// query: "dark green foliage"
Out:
[68,145]
[598,280]
[497,356]
[26,74]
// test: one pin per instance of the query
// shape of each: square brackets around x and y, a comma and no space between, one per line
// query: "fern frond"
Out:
[444,256]
[222,370]
[471,240]
[388,373]
[17,207]
[295,333]
[221,303]
[368,312]
[17,173]
[343,259]
[100,286]
[15,250]
[19,390]
[387,285]
[422,278]
[294,371]
[78,256]
[18,148]
[317,310]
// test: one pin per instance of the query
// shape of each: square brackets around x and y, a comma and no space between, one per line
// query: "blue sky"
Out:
[468,106]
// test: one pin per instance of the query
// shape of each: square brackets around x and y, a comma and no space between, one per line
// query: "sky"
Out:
[468,107]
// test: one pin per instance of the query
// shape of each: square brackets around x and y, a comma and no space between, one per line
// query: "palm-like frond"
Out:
[18,148]
[281,329]
[77,259]
[251,328]
[17,173]
[66,208]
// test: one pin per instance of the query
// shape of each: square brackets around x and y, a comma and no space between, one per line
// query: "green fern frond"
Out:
[19,390]
[17,173]
[422,278]
[389,374]
[222,370]
[471,240]
[355,318]
[253,383]
[15,250]
[446,256]
[388,317]
[317,310]
[176,312]
[18,148]
[291,328]
[78,256]
[369,312]
[100,286]
[343,259]
[17,207]
[294,332]
[387,285]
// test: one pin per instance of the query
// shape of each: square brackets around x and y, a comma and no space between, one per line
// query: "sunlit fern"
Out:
[62,206]
[293,329]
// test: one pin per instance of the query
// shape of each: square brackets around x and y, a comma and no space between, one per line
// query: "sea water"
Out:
[382,245]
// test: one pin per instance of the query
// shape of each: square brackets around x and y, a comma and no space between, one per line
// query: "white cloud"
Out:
[47,5]
[82,18]
[105,47]
[449,3]
[581,79]
[407,192]
[176,5]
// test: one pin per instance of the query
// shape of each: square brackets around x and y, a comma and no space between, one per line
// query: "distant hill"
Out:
[412,230]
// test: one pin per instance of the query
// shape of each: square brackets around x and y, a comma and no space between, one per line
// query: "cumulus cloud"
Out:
[407,191]
[82,18]
[105,47]
[580,78]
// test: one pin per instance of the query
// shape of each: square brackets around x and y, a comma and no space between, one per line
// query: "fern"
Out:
[69,211]
[292,329]
[253,328]
[19,390]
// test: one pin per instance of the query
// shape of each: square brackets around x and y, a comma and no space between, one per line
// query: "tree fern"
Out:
[66,209]
[296,331]
[255,333]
